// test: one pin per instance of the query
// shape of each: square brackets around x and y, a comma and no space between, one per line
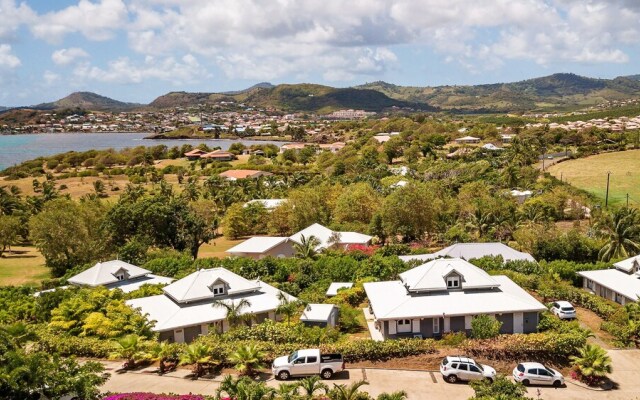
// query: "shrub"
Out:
[545,345]
[453,338]
[485,327]
[151,396]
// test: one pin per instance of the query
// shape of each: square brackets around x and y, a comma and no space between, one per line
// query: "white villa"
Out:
[259,247]
[117,274]
[443,296]
[620,284]
[186,308]
[469,251]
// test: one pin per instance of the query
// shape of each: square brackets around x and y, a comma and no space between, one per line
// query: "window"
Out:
[453,282]
[454,365]
[404,325]
[299,360]
[436,325]
[463,367]
[311,360]
[619,299]
[120,276]
[218,289]
[589,284]
[473,368]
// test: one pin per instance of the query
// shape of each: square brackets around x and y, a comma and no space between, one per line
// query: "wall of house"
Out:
[507,322]
[191,333]
[530,322]
[282,250]
[605,292]
[456,324]
[311,324]
[166,336]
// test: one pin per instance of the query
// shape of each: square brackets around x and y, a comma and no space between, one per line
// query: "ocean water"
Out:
[15,149]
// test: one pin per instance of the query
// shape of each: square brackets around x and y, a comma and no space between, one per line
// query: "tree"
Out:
[356,206]
[393,148]
[99,188]
[69,233]
[287,306]
[243,388]
[621,230]
[234,222]
[129,348]
[311,385]
[247,359]
[235,315]
[500,388]
[307,248]
[162,352]
[592,361]
[344,392]
[485,327]
[199,355]
[9,231]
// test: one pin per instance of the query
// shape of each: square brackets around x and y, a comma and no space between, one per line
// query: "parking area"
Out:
[417,384]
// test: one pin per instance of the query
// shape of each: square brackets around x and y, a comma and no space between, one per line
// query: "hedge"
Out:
[544,345]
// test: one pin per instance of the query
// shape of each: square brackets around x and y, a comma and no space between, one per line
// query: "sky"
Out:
[136,50]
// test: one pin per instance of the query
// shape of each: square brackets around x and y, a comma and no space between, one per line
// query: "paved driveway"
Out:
[417,384]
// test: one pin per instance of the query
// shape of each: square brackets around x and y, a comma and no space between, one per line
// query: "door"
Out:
[305,366]
[474,373]
[544,377]
[463,372]
[436,326]
[178,335]
[518,322]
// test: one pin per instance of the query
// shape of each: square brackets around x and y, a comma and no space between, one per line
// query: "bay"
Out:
[15,149]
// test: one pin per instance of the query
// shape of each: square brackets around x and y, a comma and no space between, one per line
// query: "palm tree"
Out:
[129,348]
[243,388]
[344,392]
[247,359]
[235,314]
[199,355]
[399,395]
[287,306]
[162,352]
[592,361]
[622,232]
[288,391]
[311,385]
[307,247]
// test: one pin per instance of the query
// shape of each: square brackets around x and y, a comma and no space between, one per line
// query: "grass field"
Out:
[217,247]
[590,174]
[23,265]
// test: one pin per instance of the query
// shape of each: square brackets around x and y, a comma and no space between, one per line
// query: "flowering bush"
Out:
[589,380]
[152,396]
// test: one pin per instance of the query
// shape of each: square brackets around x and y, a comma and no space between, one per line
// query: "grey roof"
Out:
[391,300]
[131,285]
[323,234]
[469,251]
[104,273]
[197,286]
[269,204]
[317,312]
[432,276]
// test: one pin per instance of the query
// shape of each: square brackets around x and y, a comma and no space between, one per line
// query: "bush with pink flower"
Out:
[152,396]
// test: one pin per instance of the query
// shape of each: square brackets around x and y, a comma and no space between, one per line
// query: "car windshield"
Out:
[293,356]
[479,367]
[550,371]
[520,367]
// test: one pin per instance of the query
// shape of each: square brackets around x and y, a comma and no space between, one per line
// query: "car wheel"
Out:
[327,374]
[557,384]
[283,375]
[451,379]
[525,382]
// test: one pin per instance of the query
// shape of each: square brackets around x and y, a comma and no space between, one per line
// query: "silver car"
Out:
[533,373]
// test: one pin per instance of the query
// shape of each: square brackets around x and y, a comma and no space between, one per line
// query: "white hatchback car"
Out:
[563,309]
[455,368]
[533,373]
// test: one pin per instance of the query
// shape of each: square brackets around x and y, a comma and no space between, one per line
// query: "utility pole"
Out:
[627,200]
[606,198]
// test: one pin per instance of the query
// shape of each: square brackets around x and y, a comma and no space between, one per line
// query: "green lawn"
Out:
[590,174]
[24,265]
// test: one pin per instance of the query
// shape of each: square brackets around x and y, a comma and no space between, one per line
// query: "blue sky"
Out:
[136,50]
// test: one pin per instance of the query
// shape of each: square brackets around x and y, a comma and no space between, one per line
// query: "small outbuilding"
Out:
[322,315]
[335,286]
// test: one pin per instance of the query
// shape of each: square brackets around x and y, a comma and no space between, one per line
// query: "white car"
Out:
[455,368]
[563,309]
[533,373]
[306,363]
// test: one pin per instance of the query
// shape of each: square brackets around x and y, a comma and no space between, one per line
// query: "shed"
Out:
[335,286]
[322,315]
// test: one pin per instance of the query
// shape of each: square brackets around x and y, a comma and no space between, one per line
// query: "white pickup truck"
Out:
[307,362]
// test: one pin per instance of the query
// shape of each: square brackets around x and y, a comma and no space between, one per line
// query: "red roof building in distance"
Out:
[235,174]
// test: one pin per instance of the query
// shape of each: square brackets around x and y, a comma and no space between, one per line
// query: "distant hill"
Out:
[553,92]
[3,108]
[87,101]
[297,97]
[261,85]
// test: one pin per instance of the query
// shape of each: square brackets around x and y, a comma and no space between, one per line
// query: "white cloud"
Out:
[68,56]
[7,58]
[124,71]
[13,16]
[50,78]
[96,21]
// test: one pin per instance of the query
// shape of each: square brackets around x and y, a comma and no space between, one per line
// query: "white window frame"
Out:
[121,276]
[436,325]
[589,284]
[404,326]
[451,280]
[218,289]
